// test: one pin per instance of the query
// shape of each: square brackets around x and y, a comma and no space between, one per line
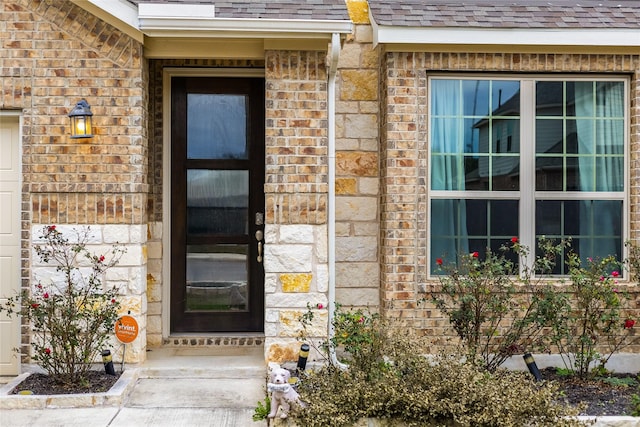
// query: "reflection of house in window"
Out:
[504,169]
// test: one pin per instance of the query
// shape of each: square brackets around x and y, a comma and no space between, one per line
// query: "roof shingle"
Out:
[507,14]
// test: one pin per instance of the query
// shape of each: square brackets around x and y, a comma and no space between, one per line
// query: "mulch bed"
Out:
[601,397]
[97,382]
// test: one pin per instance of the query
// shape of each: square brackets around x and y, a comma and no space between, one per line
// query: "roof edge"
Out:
[619,37]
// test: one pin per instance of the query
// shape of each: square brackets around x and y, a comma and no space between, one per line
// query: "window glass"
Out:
[478,151]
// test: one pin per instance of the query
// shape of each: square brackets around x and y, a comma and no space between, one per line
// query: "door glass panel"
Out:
[217,201]
[216,126]
[217,278]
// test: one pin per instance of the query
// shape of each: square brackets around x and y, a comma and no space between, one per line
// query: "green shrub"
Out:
[403,384]
[596,323]
[496,305]
[72,314]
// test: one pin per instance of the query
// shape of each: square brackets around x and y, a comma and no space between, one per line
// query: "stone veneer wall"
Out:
[404,155]
[54,54]
[357,169]
[295,252]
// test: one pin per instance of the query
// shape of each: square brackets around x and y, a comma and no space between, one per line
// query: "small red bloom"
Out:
[113,300]
[475,254]
[35,305]
[101,258]
[615,273]
[628,324]
[47,351]
[439,261]
[514,240]
[320,306]
[52,228]
[360,320]
[46,295]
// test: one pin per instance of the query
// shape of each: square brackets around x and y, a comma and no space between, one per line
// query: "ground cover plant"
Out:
[72,313]
[388,376]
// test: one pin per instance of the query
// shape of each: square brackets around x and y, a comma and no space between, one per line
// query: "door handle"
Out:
[259,236]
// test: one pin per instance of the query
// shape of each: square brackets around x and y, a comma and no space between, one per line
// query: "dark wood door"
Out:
[217,204]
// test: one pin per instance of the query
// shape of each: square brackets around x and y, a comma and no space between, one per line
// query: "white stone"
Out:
[154,250]
[116,234]
[155,230]
[133,256]
[287,258]
[365,228]
[270,282]
[356,248]
[138,233]
[296,234]
[271,315]
[271,233]
[270,329]
[321,246]
[356,208]
[322,278]
[343,229]
[295,300]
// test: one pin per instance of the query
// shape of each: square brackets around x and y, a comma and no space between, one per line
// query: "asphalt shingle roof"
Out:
[280,9]
[507,14]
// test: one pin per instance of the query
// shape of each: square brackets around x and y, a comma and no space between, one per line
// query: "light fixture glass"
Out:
[80,116]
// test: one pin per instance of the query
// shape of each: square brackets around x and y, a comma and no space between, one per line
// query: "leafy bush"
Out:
[72,315]
[595,319]
[404,385]
[495,305]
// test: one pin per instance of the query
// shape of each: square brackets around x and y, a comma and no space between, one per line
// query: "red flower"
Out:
[360,320]
[628,324]
[615,273]
[439,261]
[47,351]
[113,300]
[320,306]
[101,258]
[51,228]
[475,254]
[514,240]
[46,295]
[35,305]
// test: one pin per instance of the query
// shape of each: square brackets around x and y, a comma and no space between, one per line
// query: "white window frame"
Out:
[527,195]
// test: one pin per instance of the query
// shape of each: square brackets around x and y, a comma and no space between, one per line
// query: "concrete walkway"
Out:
[175,387]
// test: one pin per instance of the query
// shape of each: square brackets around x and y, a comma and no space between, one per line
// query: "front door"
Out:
[217,204]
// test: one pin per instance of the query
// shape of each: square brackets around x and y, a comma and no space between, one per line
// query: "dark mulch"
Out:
[96,382]
[602,397]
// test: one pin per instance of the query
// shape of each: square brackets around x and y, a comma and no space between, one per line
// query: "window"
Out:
[527,157]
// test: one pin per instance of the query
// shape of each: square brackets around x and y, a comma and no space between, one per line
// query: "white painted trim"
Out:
[167,74]
[506,36]
[241,28]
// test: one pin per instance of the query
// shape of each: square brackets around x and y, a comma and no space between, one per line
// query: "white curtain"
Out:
[600,131]
[448,217]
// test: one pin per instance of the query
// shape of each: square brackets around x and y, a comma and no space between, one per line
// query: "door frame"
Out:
[168,73]
[14,322]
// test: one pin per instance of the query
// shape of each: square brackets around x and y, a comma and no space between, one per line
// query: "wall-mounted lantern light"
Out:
[81,120]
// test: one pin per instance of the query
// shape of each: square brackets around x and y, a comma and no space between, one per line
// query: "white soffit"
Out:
[618,37]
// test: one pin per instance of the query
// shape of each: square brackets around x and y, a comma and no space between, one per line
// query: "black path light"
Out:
[80,116]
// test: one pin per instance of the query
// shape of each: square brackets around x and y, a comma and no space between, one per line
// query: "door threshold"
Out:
[215,340]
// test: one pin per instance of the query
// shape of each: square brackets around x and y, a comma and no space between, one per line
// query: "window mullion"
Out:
[527,165]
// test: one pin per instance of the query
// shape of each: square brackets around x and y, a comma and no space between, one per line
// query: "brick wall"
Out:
[404,156]
[52,54]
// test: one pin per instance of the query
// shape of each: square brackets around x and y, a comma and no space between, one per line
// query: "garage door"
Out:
[9,238]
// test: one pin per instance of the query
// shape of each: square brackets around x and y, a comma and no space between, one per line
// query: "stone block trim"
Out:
[404,157]
[128,276]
